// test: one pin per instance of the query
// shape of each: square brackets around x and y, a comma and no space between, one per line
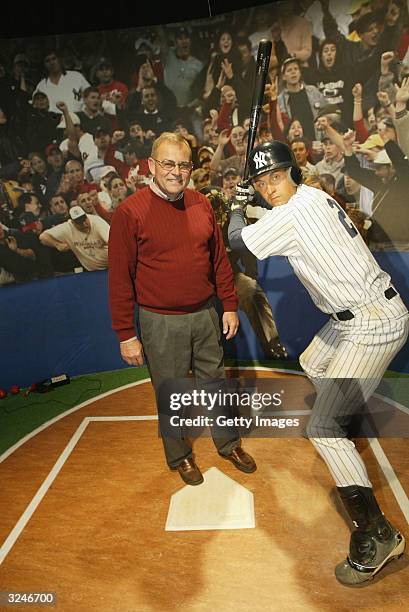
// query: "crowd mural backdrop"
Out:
[79,112]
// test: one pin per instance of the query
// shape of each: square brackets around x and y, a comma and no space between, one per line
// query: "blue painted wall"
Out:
[63,325]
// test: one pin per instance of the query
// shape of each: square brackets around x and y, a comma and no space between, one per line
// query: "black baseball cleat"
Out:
[370,551]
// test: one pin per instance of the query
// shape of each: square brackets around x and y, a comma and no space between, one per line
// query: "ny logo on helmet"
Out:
[260,160]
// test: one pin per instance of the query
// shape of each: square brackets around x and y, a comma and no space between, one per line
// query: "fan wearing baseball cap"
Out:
[54,156]
[85,235]
[107,85]
[79,143]
[42,123]
[389,182]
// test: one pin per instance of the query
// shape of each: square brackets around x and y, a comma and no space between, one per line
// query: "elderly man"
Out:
[166,251]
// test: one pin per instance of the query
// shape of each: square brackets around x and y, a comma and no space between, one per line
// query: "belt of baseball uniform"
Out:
[347,315]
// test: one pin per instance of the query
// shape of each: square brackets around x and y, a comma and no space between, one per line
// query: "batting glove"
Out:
[244,194]
[258,200]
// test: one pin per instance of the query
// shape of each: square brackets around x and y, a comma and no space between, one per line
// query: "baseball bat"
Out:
[262,64]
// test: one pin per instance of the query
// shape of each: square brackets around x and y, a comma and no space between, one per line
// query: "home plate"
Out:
[219,503]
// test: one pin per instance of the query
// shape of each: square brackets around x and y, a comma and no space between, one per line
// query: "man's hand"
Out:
[132,352]
[62,106]
[357,91]
[402,94]
[348,140]
[12,243]
[386,59]
[63,247]
[271,89]
[243,195]
[230,324]
[214,115]
[189,137]
[135,180]
[224,138]
[369,154]
[322,123]
[115,97]
[227,68]
[221,80]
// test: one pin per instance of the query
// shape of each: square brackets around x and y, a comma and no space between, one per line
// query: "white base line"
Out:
[41,428]
[33,505]
[392,402]
[28,512]
[391,477]
[386,467]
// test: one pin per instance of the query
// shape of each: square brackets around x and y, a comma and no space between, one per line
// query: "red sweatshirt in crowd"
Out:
[169,257]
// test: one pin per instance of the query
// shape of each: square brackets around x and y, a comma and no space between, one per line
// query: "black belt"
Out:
[347,315]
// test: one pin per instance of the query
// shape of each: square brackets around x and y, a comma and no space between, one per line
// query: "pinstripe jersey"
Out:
[324,248]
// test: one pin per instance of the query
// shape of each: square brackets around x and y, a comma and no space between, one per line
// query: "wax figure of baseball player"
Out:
[348,357]
[166,253]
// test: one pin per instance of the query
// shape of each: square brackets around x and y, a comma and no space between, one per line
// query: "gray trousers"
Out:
[175,344]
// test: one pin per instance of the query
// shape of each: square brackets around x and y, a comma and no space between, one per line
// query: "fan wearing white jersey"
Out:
[346,360]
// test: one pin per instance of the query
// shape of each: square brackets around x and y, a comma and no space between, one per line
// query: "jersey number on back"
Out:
[343,218]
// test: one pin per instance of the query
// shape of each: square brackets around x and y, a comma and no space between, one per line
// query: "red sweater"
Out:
[169,257]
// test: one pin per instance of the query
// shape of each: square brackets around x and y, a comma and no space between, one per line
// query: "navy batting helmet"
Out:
[273,155]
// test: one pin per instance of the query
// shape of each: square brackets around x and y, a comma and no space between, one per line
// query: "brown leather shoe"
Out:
[189,472]
[241,460]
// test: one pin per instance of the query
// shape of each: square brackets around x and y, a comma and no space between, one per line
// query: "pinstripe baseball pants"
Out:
[346,360]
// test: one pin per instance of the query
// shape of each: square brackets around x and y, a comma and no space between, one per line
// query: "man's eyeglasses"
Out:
[169,165]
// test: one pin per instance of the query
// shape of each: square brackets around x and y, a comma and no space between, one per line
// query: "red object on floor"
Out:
[33,387]
[14,389]
[3,393]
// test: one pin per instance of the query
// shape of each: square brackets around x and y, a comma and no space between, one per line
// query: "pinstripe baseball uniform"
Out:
[368,326]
